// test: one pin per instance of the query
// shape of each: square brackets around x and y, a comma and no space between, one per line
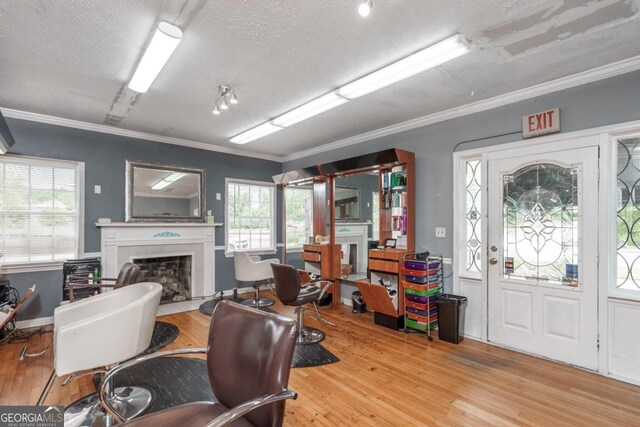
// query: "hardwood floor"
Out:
[389,378]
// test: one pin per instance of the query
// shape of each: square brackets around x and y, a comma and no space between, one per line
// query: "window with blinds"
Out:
[39,210]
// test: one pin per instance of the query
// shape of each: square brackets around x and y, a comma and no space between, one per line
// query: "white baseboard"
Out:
[34,323]
[346,301]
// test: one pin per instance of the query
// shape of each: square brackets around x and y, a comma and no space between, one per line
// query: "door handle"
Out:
[494,249]
[493,261]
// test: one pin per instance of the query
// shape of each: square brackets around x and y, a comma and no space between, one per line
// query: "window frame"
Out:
[34,266]
[274,222]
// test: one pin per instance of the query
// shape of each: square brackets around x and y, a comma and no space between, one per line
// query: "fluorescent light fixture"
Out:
[255,133]
[310,109]
[167,180]
[164,42]
[423,60]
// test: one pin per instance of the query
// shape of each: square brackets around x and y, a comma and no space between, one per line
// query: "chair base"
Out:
[128,401]
[262,302]
[309,336]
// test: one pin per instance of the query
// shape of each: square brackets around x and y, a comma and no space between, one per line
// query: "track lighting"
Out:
[221,103]
[365,8]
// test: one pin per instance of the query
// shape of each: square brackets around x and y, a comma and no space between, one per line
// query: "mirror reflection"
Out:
[164,193]
[298,221]
[357,222]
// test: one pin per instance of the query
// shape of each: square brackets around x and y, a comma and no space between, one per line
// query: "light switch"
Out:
[97,189]
[218,196]
[441,232]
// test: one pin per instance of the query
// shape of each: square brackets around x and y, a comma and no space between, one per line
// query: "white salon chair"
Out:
[101,331]
[252,269]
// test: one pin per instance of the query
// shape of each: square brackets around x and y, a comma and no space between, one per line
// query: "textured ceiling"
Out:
[73,59]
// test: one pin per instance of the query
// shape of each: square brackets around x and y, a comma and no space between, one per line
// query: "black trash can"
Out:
[451,317]
[357,302]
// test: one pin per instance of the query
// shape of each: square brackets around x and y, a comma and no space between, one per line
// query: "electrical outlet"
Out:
[97,189]
[441,232]
[218,196]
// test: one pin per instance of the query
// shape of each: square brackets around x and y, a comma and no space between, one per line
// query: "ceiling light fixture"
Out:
[167,180]
[164,42]
[423,60]
[255,133]
[221,103]
[310,109]
[365,8]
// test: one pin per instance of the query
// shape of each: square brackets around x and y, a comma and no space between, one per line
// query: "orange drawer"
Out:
[381,265]
[419,305]
[421,319]
[310,256]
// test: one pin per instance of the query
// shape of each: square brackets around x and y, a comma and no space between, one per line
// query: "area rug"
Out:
[207,307]
[164,333]
[310,355]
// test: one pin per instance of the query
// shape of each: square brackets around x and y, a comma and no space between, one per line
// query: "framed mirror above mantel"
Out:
[164,193]
[347,209]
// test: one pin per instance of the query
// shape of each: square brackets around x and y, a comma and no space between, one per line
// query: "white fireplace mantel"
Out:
[122,242]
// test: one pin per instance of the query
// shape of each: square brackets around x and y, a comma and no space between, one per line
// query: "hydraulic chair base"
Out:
[129,401]
[306,335]
[257,301]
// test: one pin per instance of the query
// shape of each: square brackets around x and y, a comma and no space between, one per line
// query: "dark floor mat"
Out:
[310,355]
[163,334]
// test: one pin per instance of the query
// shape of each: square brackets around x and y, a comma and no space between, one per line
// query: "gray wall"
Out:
[615,100]
[104,156]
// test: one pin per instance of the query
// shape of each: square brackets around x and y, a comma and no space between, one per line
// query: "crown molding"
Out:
[585,77]
[76,124]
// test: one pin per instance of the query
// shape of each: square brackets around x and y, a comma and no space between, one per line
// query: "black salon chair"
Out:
[290,291]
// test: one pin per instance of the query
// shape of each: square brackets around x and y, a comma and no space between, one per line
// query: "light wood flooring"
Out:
[389,378]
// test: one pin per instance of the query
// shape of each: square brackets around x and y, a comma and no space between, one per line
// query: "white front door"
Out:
[542,249]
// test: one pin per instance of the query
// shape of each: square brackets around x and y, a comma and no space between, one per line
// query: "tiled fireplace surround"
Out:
[125,242]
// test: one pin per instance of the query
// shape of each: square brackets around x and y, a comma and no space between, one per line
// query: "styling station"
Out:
[331,213]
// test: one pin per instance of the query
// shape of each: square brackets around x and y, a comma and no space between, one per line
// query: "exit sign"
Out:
[541,123]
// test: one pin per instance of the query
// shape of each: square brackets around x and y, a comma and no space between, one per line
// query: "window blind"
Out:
[38,211]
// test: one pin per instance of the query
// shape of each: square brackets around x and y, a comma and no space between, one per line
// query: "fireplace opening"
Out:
[172,272]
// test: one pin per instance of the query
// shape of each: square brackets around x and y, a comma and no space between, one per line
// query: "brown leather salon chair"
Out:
[291,291]
[128,275]
[249,357]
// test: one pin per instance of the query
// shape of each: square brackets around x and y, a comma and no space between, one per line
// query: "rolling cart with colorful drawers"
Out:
[421,283]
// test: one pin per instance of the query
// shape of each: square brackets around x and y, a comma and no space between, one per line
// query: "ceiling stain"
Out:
[615,12]
[558,22]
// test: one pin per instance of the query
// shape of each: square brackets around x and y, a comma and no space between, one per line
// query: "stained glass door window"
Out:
[473,207]
[541,223]
[628,215]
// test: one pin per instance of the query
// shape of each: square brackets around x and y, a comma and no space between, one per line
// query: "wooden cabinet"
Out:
[325,261]
[383,294]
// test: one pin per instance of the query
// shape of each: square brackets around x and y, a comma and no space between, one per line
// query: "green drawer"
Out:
[422,293]
[419,326]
